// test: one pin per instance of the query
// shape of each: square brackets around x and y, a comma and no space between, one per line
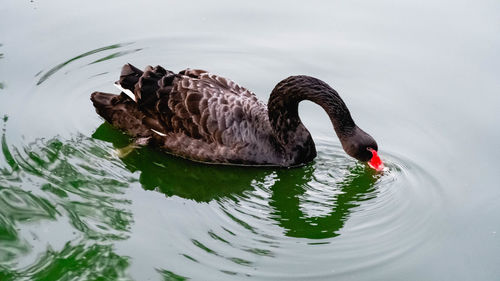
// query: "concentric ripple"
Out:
[330,218]
[66,195]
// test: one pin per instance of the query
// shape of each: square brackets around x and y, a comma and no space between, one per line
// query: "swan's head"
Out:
[363,147]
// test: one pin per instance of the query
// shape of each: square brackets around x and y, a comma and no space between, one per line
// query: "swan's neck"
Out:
[284,118]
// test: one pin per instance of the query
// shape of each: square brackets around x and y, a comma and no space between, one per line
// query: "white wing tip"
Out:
[126,91]
[159,133]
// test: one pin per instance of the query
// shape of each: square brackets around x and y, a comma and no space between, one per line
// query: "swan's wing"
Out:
[214,108]
[143,88]
[195,103]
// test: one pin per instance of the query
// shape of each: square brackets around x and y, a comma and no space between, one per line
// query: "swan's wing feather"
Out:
[214,108]
[193,113]
[197,104]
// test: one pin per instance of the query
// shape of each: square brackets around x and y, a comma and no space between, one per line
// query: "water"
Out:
[421,77]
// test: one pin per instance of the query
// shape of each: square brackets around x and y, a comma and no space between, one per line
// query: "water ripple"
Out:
[327,219]
[58,67]
[343,215]
[52,181]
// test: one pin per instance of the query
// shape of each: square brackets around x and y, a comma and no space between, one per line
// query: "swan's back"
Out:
[193,114]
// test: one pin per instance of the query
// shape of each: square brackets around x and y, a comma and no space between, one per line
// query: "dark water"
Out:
[421,77]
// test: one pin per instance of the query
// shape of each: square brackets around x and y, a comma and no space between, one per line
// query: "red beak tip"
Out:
[376,163]
[380,167]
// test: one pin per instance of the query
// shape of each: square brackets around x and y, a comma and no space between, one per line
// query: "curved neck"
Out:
[283,109]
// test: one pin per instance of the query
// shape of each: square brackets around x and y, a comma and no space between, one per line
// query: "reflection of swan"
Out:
[291,184]
[208,118]
[174,176]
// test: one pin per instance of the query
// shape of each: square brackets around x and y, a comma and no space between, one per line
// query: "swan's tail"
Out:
[142,87]
[103,103]
[121,112]
[143,94]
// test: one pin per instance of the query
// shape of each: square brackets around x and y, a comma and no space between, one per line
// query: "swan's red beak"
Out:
[376,163]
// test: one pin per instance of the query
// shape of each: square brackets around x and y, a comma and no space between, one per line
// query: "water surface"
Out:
[422,78]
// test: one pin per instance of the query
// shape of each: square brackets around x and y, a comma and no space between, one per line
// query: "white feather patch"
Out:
[159,133]
[126,91]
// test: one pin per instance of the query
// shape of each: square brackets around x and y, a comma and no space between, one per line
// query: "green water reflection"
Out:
[203,183]
[357,186]
[73,262]
[78,186]
[52,190]
[174,176]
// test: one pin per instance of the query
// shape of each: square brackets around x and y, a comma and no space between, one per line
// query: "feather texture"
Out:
[193,114]
[209,118]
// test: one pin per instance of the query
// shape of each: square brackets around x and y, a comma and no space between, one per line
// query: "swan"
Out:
[208,118]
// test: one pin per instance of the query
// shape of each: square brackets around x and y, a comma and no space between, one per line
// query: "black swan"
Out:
[208,118]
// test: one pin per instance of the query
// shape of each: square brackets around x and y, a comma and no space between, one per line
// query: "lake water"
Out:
[422,77]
